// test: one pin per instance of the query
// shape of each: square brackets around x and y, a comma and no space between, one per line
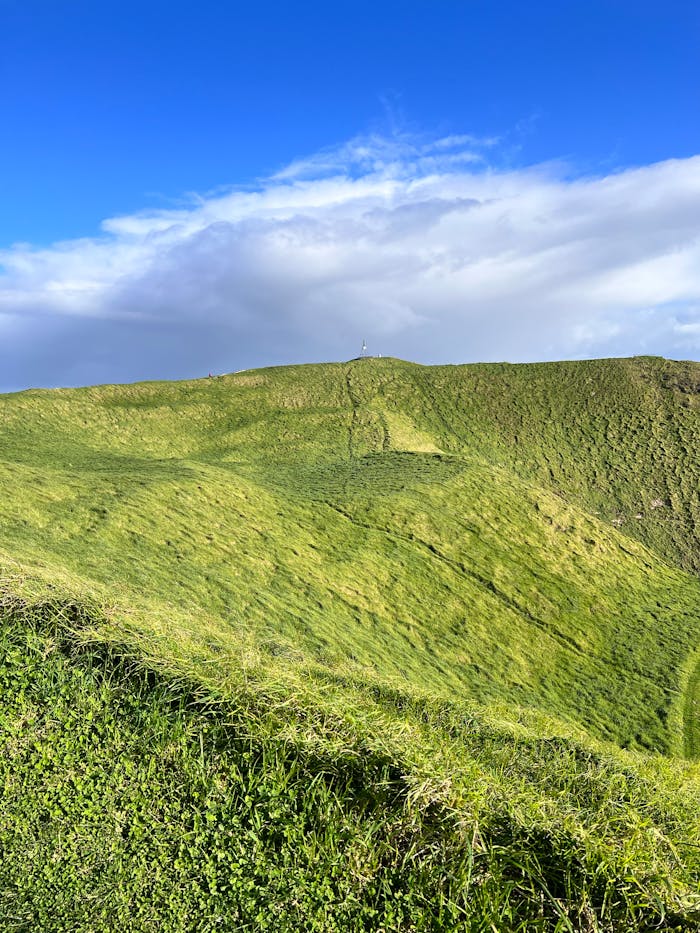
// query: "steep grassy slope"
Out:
[364,518]
[390,549]
[135,801]
[620,437]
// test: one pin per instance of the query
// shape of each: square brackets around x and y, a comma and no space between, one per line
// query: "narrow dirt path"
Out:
[355,404]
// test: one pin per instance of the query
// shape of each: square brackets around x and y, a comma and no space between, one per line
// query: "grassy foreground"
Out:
[359,646]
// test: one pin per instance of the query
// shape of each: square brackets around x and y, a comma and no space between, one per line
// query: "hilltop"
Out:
[452,611]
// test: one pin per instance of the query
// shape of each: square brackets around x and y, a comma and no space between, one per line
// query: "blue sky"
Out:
[173,113]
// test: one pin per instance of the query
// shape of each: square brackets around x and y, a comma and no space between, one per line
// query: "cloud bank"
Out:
[424,248]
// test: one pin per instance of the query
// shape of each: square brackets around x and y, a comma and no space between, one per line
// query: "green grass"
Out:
[451,616]
[140,800]
[691,720]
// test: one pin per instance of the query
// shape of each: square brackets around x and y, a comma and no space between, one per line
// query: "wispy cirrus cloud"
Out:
[400,155]
[423,246]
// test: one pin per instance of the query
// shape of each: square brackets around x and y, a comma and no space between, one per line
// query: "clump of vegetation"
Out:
[360,646]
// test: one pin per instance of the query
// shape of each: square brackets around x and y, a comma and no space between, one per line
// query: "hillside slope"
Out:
[315,541]
[389,520]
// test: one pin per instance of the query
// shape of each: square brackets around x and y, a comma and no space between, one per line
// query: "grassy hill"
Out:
[354,646]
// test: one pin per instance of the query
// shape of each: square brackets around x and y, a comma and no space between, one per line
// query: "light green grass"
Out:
[448,566]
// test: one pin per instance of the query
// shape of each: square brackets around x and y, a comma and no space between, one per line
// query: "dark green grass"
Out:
[691,712]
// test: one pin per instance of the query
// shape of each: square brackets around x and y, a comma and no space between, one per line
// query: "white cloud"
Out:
[418,245]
